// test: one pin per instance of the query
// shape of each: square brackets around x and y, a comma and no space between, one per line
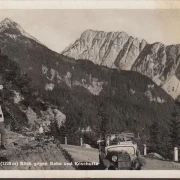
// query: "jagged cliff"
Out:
[119,50]
[106,48]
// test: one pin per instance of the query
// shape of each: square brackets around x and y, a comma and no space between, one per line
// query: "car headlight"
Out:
[133,157]
[114,158]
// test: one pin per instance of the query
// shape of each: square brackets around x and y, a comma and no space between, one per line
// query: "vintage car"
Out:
[119,152]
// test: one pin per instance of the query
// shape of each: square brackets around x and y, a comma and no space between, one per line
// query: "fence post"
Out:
[65,141]
[175,154]
[145,149]
[81,141]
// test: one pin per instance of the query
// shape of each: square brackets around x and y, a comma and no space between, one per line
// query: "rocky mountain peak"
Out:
[87,32]
[8,21]
[122,51]
[90,33]
[13,29]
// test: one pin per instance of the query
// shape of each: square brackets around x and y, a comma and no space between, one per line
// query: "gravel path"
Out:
[80,154]
[91,155]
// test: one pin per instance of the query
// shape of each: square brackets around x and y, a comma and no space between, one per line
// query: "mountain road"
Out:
[81,154]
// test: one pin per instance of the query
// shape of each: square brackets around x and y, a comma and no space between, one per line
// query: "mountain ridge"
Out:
[77,87]
[119,50]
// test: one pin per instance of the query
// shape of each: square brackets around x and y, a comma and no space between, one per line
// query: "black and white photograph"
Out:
[90,89]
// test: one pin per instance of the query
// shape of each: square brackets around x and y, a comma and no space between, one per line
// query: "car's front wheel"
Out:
[101,163]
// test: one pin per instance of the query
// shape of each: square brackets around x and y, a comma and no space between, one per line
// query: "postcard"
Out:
[90,86]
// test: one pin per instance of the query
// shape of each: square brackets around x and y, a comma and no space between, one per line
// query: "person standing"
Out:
[2,126]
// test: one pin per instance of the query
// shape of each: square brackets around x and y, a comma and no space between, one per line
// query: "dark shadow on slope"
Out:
[3,159]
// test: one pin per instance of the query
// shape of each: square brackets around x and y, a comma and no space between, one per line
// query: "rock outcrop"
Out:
[112,49]
[119,50]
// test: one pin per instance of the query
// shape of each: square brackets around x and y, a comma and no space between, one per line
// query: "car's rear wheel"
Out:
[137,165]
[139,168]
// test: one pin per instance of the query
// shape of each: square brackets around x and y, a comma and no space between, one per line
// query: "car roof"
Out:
[131,135]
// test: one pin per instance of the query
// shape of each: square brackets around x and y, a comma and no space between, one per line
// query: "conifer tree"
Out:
[154,137]
[54,129]
[174,127]
[165,146]
[103,122]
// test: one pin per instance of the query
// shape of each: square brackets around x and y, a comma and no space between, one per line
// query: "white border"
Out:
[94,4]
[87,4]
[89,174]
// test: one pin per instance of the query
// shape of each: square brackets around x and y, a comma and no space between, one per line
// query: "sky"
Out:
[57,29]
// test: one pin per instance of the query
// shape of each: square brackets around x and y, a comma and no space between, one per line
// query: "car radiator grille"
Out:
[124,165]
[124,161]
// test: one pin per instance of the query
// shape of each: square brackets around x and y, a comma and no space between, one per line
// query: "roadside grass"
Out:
[67,156]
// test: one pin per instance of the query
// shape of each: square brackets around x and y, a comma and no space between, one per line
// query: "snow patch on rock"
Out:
[148,93]
[152,98]
[44,69]
[49,87]
[59,78]
[172,87]
[150,86]
[160,100]
[132,91]
[94,86]
[13,36]
[17,97]
[53,72]
[67,78]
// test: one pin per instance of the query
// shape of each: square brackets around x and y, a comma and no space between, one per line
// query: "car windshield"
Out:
[113,139]
[128,149]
